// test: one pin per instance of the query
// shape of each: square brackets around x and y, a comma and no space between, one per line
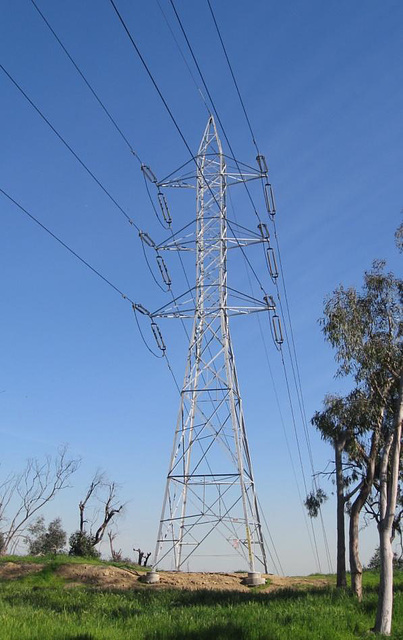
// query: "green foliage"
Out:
[344,418]
[314,501]
[365,327]
[399,237]
[42,541]
[82,544]
[375,561]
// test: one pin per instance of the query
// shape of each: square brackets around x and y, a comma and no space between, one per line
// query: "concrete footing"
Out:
[151,577]
[254,579]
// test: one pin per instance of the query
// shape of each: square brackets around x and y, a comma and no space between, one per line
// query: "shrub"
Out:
[82,544]
[46,541]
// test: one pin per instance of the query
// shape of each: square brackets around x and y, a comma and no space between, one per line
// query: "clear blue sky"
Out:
[322,83]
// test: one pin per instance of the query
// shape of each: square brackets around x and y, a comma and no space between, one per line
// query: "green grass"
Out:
[66,559]
[39,607]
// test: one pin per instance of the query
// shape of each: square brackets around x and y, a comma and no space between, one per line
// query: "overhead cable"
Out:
[213,104]
[74,253]
[168,109]
[183,57]
[136,307]
[90,87]
[268,193]
[233,77]
[66,144]
[312,540]
[151,76]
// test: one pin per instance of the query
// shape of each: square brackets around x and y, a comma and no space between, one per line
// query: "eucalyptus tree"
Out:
[344,423]
[365,328]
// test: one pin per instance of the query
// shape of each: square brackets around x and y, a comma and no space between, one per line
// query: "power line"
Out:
[119,130]
[246,258]
[40,113]
[167,107]
[90,87]
[183,57]
[312,540]
[151,77]
[296,377]
[74,253]
[97,273]
[271,540]
[136,155]
[296,372]
[163,99]
[44,118]
[213,105]
[298,387]
[233,77]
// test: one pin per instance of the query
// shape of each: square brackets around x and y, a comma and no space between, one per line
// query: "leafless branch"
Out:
[27,492]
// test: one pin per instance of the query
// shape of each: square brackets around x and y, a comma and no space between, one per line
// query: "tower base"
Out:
[254,579]
[151,577]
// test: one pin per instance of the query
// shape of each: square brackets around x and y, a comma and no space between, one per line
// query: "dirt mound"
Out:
[109,577]
[101,576]
[14,570]
[194,581]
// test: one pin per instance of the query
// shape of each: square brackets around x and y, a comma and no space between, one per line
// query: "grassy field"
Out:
[40,607]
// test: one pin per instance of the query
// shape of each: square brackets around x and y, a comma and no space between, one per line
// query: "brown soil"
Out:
[94,575]
[230,581]
[108,577]
[14,570]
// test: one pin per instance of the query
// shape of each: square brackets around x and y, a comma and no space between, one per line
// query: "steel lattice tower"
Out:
[210,485]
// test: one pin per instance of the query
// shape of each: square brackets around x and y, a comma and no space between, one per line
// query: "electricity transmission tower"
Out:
[210,485]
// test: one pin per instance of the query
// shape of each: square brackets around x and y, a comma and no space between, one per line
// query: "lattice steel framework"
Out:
[210,485]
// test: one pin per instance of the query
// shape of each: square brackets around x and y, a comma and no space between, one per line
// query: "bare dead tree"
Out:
[141,556]
[97,482]
[24,494]
[115,555]
[111,509]
[104,491]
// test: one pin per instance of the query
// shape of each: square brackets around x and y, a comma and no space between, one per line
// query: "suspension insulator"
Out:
[269,199]
[272,262]
[158,336]
[269,300]
[261,161]
[164,207]
[147,239]
[278,332]
[273,202]
[164,271]
[149,174]
[264,230]
[141,309]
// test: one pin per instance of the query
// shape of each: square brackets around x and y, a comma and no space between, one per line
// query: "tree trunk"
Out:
[355,564]
[81,507]
[341,535]
[383,623]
